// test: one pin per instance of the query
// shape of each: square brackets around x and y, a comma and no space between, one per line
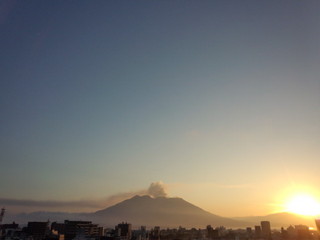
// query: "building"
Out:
[249,232]
[318,224]
[265,229]
[38,230]
[212,233]
[9,231]
[155,233]
[143,232]
[303,232]
[257,232]
[124,231]
[72,229]
[58,227]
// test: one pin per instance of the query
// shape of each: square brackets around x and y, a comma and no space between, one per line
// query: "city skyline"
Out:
[218,102]
[70,230]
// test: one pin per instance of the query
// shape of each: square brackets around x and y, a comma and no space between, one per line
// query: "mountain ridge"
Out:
[281,219]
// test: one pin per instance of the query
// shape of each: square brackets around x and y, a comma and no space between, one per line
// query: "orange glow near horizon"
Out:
[303,204]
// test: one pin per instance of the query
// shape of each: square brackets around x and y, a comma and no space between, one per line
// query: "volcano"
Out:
[163,212]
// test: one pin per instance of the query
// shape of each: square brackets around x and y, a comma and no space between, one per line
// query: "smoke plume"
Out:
[157,189]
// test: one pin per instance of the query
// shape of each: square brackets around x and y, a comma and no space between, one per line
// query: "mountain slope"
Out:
[161,211]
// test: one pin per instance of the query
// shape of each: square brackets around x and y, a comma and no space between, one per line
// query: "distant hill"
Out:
[163,212]
[282,219]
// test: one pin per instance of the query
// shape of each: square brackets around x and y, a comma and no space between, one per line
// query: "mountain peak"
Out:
[140,197]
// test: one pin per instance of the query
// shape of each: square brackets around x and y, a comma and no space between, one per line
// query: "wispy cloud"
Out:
[156,189]
[211,185]
[47,203]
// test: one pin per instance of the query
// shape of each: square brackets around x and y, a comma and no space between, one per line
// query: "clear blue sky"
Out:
[102,97]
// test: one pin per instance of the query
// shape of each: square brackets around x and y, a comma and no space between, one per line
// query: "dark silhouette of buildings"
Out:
[9,230]
[257,232]
[38,230]
[81,228]
[249,232]
[266,230]
[155,233]
[212,233]
[303,232]
[124,231]
[58,227]
[86,230]
[318,223]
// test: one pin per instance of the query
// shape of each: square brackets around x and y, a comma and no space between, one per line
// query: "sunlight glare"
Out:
[303,205]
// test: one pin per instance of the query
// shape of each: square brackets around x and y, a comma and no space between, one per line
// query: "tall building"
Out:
[266,229]
[257,232]
[249,232]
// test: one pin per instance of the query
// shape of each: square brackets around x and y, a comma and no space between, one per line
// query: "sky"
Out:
[215,101]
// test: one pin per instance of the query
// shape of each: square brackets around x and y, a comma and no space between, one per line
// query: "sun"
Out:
[303,204]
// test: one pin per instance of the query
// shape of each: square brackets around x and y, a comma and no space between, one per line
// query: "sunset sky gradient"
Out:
[219,100]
